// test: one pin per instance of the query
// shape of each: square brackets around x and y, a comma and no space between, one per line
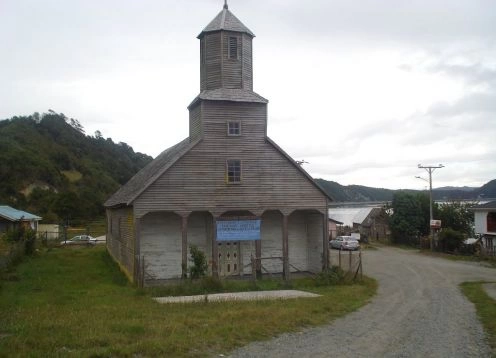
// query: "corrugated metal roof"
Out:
[138,183]
[12,214]
[225,20]
[490,205]
[348,216]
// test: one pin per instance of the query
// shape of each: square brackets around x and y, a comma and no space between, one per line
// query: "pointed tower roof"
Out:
[225,20]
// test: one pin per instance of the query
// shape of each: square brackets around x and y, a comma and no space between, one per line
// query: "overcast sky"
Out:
[377,86]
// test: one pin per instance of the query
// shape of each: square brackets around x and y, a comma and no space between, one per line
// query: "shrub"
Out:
[450,240]
[331,276]
[200,264]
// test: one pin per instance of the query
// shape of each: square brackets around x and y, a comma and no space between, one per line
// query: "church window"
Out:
[233,47]
[233,174]
[234,128]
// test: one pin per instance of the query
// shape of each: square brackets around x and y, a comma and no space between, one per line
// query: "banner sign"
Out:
[238,230]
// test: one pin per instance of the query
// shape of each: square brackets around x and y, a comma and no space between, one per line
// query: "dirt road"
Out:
[419,311]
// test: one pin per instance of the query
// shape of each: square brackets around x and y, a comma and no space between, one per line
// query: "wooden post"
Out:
[258,259]
[253,268]
[215,250]
[137,270]
[184,232]
[285,248]
[349,269]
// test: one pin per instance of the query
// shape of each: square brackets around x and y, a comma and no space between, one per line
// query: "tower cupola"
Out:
[226,53]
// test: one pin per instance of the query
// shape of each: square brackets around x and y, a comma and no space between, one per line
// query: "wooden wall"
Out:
[160,245]
[315,222]
[195,124]
[197,181]
[121,237]
[217,69]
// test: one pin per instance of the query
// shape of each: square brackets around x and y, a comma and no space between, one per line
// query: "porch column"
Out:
[215,250]
[184,233]
[285,248]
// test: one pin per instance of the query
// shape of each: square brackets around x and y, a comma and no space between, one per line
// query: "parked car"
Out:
[344,243]
[80,240]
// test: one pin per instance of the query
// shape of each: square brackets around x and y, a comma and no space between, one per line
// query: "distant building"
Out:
[227,188]
[11,219]
[370,222]
[485,225]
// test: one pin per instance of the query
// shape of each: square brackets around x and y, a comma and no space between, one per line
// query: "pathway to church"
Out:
[419,311]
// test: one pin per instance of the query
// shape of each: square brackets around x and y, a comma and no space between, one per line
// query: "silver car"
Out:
[344,243]
[80,240]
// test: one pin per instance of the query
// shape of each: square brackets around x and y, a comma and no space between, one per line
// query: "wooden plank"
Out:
[285,248]
[184,239]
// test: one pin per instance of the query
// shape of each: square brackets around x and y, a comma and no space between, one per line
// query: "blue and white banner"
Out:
[238,230]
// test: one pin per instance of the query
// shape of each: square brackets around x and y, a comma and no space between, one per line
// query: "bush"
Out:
[331,276]
[200,264]
[450,240]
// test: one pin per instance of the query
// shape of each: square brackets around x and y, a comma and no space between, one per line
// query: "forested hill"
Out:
[358,193]
[50,167]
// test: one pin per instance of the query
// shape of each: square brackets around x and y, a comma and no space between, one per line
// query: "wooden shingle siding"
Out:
[212,69]
[197,182]
[195,125]
[297,240]
[231,67]
[161,245]
[271,233]
[121,242]
[315,235]
[247,65]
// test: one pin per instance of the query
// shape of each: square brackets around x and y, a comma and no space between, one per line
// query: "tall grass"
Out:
[77,303]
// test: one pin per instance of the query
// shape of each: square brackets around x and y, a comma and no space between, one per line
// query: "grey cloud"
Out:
[474,74]
[472,103]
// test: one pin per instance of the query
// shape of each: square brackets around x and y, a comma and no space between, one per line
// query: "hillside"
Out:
[359,193]
[50,167]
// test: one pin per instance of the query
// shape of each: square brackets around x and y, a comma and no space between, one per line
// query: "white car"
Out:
[344,243]
[80,240]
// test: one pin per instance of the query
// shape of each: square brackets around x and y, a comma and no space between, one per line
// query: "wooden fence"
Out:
[349,261]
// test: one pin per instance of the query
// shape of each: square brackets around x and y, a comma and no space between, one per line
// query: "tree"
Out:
[457,215]
[406,222]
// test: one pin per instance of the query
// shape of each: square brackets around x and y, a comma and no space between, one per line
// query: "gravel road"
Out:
[419,311]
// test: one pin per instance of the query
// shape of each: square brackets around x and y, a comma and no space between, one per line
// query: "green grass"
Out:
[77,303]
[491,261]
[486,309]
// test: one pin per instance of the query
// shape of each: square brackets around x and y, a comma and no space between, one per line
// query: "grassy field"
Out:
[486,309]
[76,302]
[490,261]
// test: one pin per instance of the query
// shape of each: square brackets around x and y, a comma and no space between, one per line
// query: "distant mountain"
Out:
[354,192]
[358,193]
[487,190]
[50,167]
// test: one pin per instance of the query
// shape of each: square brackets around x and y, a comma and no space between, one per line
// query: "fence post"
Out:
[340,258]
[349,269]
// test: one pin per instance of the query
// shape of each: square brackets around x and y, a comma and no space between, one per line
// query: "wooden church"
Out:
[227,188]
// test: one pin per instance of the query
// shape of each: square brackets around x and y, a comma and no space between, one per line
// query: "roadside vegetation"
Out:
[410,223]
[75,301]
[486,309]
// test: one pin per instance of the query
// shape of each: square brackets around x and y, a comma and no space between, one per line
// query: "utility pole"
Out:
[430,169]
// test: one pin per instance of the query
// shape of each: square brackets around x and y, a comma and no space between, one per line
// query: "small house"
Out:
[370,222]
[13,219]
[485,225]
[227,188]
